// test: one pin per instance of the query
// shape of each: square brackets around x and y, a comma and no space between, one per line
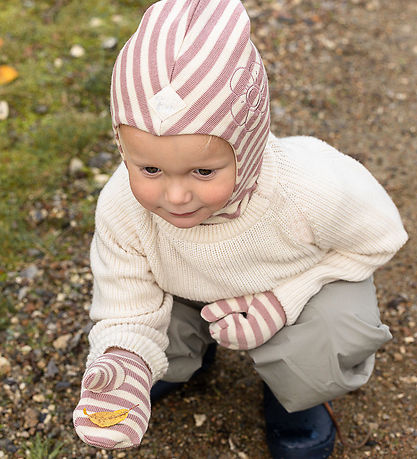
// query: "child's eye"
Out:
[151,170]
[204,172]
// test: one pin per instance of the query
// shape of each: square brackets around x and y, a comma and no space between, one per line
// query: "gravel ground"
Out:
[341,70]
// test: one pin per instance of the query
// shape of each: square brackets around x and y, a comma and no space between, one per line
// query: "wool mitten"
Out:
[118,379]
[245,322]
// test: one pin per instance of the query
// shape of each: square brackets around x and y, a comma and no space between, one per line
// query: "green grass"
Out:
[58,111]
[43,448]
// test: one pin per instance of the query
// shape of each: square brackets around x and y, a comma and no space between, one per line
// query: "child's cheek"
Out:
[145,192]
[220,194]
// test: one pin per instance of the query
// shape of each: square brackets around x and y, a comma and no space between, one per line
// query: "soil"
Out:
[341,70]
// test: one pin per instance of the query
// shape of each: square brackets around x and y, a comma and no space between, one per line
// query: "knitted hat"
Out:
[191,68]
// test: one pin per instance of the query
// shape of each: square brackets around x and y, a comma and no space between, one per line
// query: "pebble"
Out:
[101,179]
[5,366]
[38,215]
[38,398]
[4,110]
[30,272]
[51,369]
[100,160]
[58,63]
[61,343]
[117,18]
[109,43]
[31,417]
[62,385]
[41,109]
[22,293]
[96,22]
[75,166]
[25,349]
[199,419]
[77,51]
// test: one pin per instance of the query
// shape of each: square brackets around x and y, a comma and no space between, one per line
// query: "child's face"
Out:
[182,178]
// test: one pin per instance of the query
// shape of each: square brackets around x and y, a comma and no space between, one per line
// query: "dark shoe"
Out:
[307,434]
[162,388]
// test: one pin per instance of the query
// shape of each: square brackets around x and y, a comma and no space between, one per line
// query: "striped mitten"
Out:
[245,322]
[116,380]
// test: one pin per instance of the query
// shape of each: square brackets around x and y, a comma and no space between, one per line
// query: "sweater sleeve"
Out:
[129,308]
[350,217]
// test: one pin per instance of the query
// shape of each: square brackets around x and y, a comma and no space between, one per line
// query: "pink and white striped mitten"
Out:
[118,379]
[245,322]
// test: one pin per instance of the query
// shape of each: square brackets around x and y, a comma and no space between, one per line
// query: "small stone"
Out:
[199,419]
[38,215]
[101,179]
[62,385]
[31,417]
[58,63]
[109,43]
[35,253]
[4,110]
[38,398]
[117,18]
[5,366]
[77,51]
[62,342]
[76,166]
[25,349]
[41,109]
[51,369]
[100,160]
[96,22]
[75,340]
[22,293]
[30,272]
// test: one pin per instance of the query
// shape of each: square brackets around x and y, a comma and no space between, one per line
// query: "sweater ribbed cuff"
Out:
[139,344]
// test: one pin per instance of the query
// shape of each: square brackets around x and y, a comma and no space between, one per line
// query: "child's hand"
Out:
[116,380]
[245,322]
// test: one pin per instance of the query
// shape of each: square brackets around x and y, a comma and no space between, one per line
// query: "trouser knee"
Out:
[329,351]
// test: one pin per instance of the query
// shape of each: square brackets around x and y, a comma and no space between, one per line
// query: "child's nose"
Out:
[177,193]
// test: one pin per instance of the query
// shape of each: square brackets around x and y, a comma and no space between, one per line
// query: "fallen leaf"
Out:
[7,74]
[107,418]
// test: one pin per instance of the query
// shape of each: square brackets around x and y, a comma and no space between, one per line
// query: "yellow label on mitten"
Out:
[107,418]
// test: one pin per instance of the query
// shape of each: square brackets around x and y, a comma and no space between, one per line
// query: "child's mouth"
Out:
[186,214]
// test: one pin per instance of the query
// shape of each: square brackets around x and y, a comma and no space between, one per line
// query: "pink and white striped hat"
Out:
[191,68]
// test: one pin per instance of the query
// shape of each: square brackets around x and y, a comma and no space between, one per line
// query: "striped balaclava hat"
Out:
[191,68]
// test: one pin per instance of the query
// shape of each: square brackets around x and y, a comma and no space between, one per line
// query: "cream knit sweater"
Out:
[317,215]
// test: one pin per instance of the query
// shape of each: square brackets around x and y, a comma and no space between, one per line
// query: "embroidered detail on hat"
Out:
[167,102]
[249,85]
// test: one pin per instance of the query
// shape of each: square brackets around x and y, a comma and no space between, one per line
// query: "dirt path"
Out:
[341,70]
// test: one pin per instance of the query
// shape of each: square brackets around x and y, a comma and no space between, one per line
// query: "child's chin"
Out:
[183,224]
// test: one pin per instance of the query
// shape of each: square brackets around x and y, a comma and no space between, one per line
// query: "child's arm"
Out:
[132,314]
[130,310]
[349,215]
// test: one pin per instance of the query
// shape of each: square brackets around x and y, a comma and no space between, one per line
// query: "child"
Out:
[214,230]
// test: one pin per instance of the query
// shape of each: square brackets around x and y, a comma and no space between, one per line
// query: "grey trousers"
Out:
[329,351]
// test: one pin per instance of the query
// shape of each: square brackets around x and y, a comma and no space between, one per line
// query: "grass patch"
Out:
[43,448]
[58,111]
